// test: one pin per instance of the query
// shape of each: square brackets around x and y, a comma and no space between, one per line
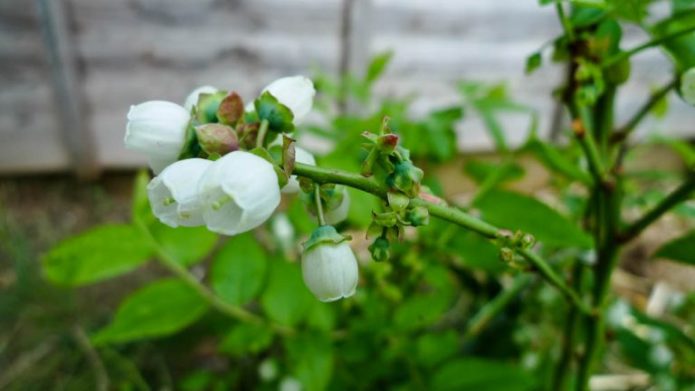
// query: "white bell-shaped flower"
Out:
[157,129]
[239,192]
[301,155]
[329,266]
[295,92]
[688,86]
[173,194]
[192,98]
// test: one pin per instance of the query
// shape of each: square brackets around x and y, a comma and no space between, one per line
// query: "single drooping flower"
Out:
[295,92]
[688,86]
[303,156]
[157,129]
[192,98]
[173,194]
[329,266]
[238,192]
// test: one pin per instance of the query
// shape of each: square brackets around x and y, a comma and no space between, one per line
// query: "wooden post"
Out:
[67,93]
[355,43]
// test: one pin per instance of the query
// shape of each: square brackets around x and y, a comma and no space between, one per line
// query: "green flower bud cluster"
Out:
[510,243]
[390,163]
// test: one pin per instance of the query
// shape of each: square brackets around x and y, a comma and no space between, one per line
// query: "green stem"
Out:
[653,42]
[566,23]
[319,206]
[586,140]
[554,279]
[623,132]
[481,318]
[206,294]
[680,194]
[451,214]
[262,131]
[570,333]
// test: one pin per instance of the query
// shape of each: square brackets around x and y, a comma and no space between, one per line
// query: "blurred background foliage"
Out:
[444,313]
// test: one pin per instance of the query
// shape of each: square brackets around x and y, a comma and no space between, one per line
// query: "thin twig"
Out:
[653,42]
[451,214]
[203,291]
[680,194]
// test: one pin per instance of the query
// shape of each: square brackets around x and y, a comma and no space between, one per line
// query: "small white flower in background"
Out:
[192,98]
[173,194]
[239,192]
[295,92]
[290,384]
[340,213]
[688,86]
[329,266]
[283,230]
[303,156]
[157,129]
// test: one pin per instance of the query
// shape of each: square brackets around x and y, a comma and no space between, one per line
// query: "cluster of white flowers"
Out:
[237,192]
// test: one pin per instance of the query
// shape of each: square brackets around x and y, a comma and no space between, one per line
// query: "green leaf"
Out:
[680,250]
[377,66]
[101,253]
[476,374]
[433,348]
[426,307]
[159,309]
[239,269]
[516,211]
[311,356]
[279,116]
[480,171]
[187,245]
[477,252]
[286,300]
[533,62]
[557,160]
[246,339]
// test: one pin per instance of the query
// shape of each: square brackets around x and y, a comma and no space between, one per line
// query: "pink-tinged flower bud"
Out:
[231,109]
[173,193]
[238,192]
[329,266]
[192,98]
[217,139]
[157,129]
[301,155]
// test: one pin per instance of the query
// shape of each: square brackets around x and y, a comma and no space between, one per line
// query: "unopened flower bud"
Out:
[387,142]
[217,139]
[206,108]
[418,216]
[329,266]
[507,254]
[527,241]
[380,249]
[386,219]
[406,178]
[231,109]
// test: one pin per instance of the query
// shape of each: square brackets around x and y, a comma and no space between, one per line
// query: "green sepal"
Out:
[418,216]
[279,116]
[206,108]
[191,147]
[324,234]
[397,201]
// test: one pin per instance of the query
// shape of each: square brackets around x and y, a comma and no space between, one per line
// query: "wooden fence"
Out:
[71,68]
